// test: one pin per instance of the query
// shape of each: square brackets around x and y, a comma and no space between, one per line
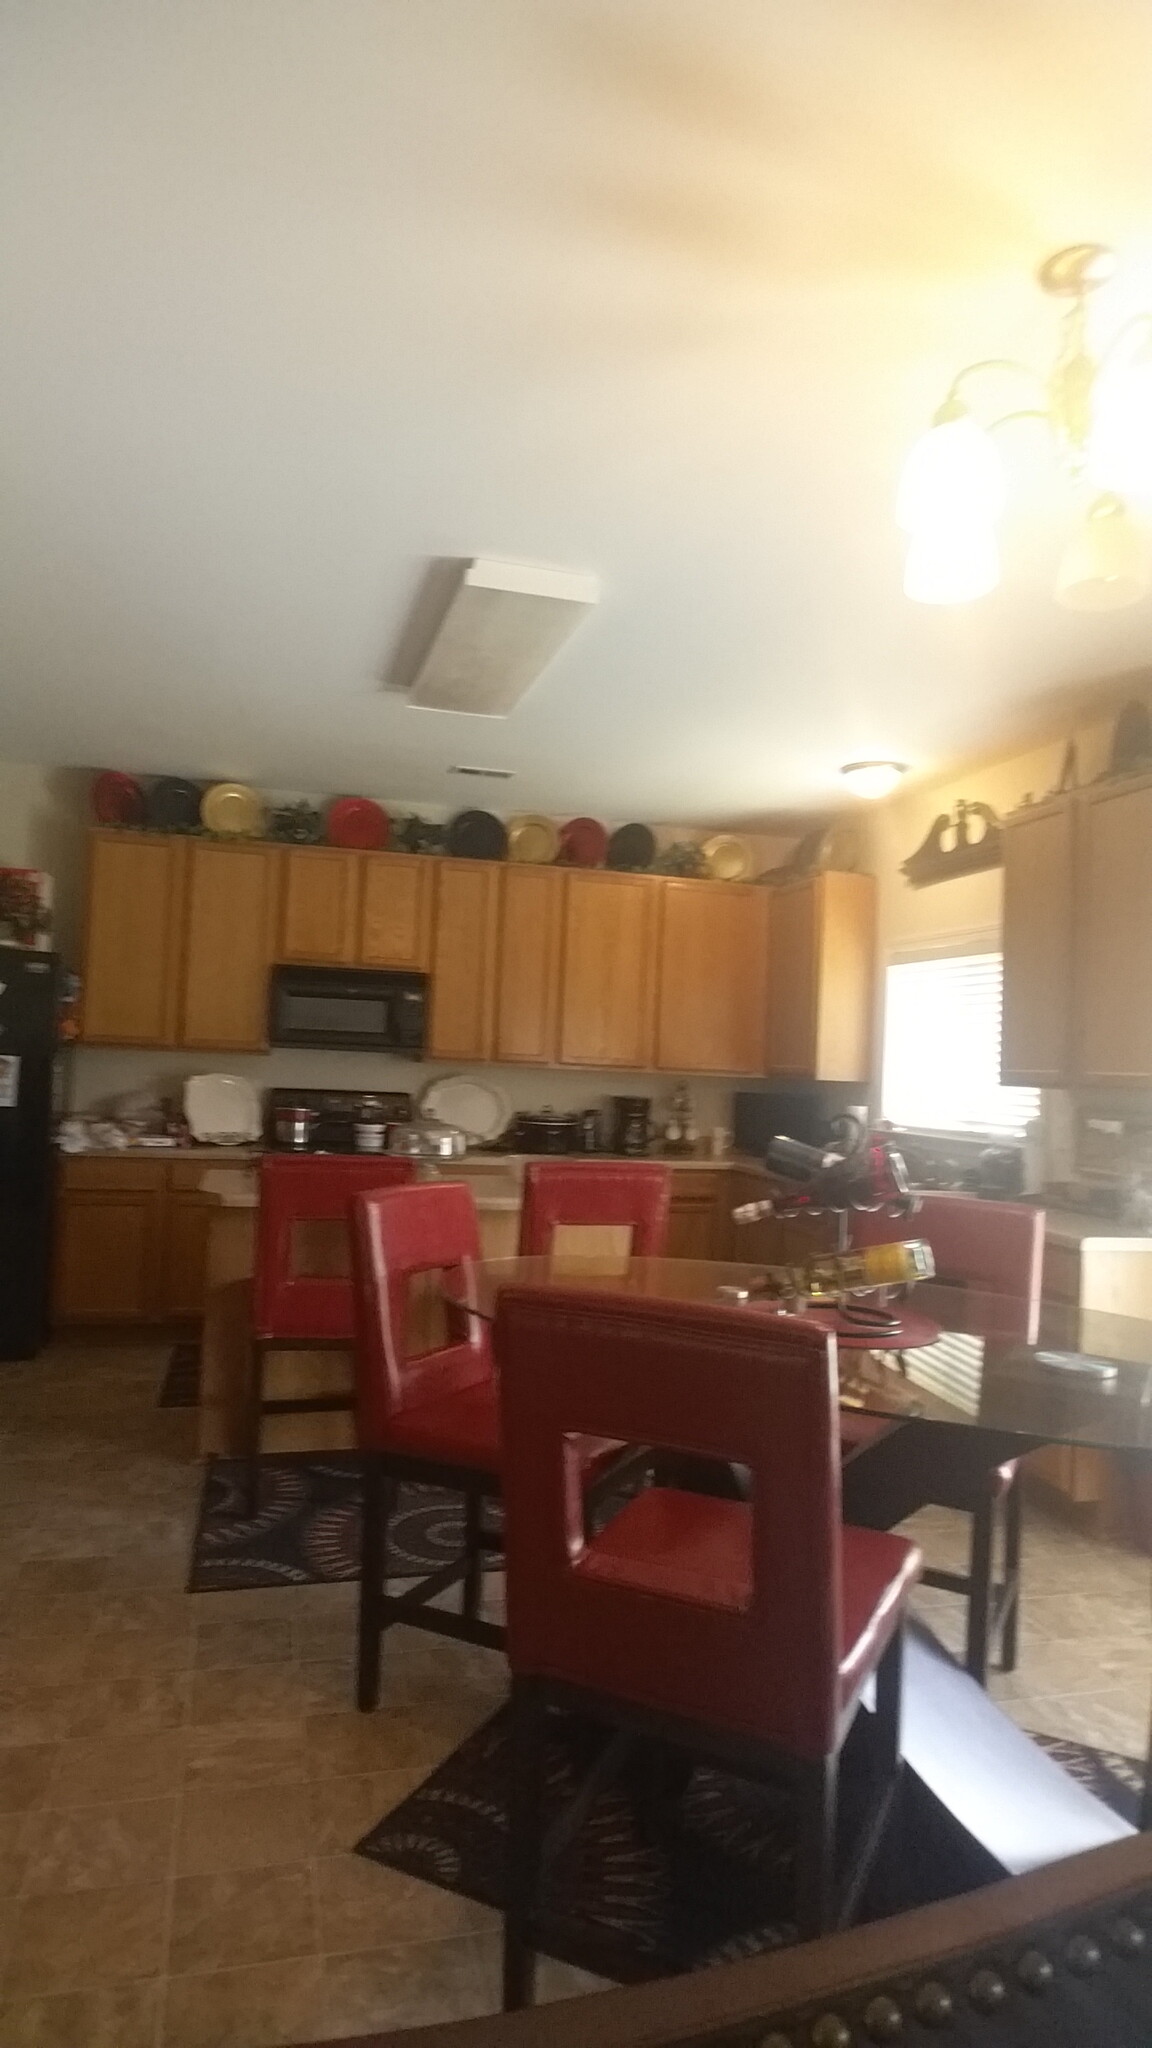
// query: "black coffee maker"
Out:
[630,1124]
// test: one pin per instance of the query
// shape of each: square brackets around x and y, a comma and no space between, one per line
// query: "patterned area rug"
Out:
[308,1528]
[648,1887]
[180,1386]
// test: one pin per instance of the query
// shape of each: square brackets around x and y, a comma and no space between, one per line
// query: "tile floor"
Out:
[182,1776]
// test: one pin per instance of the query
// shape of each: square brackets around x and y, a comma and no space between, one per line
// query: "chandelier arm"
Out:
[1140,322]
[995,363]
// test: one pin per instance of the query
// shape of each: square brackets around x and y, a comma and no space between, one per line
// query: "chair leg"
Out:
[252,1463]
[980,1590]
[473,1554]
[816,1849]
[889,1683]
[1013,1540]
[525,1836]
[379,1495]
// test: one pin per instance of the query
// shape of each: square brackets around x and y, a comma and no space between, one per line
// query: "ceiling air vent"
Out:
[504,623]
[490,774]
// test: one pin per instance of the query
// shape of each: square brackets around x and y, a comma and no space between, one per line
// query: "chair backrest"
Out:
[290,1302]
[612,1192]
[996,1248]
[718,1382]
[399,1234]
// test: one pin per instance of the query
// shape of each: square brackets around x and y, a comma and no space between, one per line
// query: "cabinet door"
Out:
[608,979]
[528,964]
[184,1254]
[697,1224]
[229,938]
[396,911]
[132,938]
[320,913]
[1114,938]
[464,960]
[713,985]
[791,1032]
[822,950]
[107,1256]
[1035,1046]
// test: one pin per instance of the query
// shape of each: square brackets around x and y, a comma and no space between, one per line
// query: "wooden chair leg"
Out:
[1013,1541]
[525,1836]
[816,1849]
[473,1554]
[255,1411]
[889,1684]
[980,1590]
[379,1495]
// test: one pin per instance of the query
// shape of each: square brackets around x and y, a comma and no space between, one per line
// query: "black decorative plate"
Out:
[632,846]
[477,835]
[173,804]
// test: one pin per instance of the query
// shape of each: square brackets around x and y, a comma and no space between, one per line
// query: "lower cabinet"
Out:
[131,1241]
[698,1215]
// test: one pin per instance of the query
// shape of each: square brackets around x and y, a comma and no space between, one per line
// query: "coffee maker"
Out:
[630,1124]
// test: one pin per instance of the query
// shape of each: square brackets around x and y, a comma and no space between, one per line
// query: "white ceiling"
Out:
[303,296]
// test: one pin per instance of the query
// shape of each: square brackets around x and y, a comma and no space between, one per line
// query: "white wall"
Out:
[43,823]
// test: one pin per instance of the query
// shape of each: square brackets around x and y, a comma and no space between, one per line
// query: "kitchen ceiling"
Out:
[304,301]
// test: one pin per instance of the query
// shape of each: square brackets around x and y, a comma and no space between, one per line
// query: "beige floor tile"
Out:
[241,1827]
[25,1775]
[144,1703]
[256,1692]
[358,1745]
[31,1712]
[12,1855]
[395,1986]
[72,1941]
[121,1654]
[221,1645]
[266,2005]
[246,1753]
[145,1613]
[116,2016]
[44,1660]
[343,1809]
[92,1848]
[140,1766]
[364,1905]
[240,1917]
[48,1577]
[1104,1721]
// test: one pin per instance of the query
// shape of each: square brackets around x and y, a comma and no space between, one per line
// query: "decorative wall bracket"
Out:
[950,849]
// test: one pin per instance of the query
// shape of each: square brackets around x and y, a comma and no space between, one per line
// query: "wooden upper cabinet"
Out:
[229,944]
[396,911]
[528,964]
[132,938]
[822,945]
[320,910]
[1114,935]
[711,1006]
[464,959]
[608,977]
[1036,1042]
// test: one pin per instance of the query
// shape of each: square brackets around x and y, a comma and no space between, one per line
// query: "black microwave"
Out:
[355,1009]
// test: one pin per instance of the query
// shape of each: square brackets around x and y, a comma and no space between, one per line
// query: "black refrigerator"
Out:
[29,992]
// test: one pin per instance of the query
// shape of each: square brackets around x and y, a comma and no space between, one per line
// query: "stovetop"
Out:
[337,1112]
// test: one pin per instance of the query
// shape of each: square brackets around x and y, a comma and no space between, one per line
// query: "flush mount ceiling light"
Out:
[1098,411]
[503,624]
[873,778]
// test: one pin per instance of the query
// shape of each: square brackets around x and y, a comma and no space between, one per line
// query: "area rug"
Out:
[648,1888]
[307,1530]
[180,1386]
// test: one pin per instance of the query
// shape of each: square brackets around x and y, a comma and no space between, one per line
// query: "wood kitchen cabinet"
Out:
[109,1222]
[1036,1044]
[608,972]
[821,944]
[320,912]
[528,964]
[1113,936]
[229,944]
[698,1215]
[396,905]
[132,938]
[464,960]
[712,994]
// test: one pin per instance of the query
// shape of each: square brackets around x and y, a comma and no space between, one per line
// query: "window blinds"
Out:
[941,1069]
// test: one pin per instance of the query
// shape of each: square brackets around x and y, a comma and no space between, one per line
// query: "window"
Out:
[942,1049]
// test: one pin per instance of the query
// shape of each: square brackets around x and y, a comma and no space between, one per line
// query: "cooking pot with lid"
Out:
[427,1140]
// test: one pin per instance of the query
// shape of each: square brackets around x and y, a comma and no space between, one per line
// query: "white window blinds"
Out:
[942,1049]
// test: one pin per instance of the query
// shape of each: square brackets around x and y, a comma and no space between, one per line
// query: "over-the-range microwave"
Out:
[354,1009]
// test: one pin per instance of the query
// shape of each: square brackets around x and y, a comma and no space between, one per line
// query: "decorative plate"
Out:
[583,843]
[533,839]
[474,1107]
[234,808]
[173,804]
[222,1109]
[356,821]
[632,846]
[117,799]
[727,858]
[477,835]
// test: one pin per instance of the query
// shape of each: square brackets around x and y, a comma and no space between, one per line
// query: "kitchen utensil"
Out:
[477,835]
[632,846]
[589,1130]
[233,808]
[355,821]
[294,1127]
[221,1109]
[117,799]
[727,858]
[427,1140]
[547,1130]
[631,1124]
[533,839]
[173,805]
[583,843]
[474,1107]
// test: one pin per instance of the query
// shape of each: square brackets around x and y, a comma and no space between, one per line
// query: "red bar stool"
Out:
[555,1194]
[294,1309]
[993,1248]
[741,1632]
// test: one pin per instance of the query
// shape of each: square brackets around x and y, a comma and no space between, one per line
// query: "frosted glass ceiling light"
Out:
[873,778]
[951,564]
[1105,564]
[953,473]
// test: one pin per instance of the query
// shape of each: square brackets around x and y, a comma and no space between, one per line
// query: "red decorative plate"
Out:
[117,799]
[357,821]
[583,843]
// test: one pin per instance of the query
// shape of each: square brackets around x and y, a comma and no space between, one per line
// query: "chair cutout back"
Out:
[290,1303]
[994,1247]
[609,1194]
[762,1657]
[398,1234]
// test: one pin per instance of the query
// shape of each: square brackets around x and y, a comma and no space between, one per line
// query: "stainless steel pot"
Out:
[427,1141]
[294,1127]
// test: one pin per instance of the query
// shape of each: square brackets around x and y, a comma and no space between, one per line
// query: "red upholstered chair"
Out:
[292,1308]
[556,1193]
[994,1248]
[741,1631]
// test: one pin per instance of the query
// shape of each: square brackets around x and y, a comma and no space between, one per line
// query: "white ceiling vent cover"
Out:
[502,627]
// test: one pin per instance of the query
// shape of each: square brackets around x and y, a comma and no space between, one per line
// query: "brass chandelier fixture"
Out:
[1097,410]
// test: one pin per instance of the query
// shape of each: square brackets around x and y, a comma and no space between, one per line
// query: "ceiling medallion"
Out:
[1098,410]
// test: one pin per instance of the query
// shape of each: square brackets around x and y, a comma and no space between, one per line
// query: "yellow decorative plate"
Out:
[533,839]
[232,807]
[728,859]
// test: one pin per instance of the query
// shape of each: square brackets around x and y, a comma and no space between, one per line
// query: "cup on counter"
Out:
[719,1142]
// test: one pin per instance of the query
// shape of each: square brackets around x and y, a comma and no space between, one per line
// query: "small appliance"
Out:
[326,1119]
[631,1124]
[354,1009]
[546,1130]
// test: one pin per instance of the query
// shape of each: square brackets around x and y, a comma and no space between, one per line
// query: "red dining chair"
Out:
[992,1248]
[740,1631]
[429,1416]
[294,1309]
[556,1194]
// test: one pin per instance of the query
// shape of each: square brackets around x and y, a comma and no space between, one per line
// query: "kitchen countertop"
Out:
[1078,1227]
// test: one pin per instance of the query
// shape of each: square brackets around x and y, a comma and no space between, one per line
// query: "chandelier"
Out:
[1097,409]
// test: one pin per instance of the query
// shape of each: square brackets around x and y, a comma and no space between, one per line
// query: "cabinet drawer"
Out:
[186,1176]
[114,1174]
[702,1188]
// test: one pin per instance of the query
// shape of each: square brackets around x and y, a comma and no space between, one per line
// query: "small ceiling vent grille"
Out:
[490,774]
